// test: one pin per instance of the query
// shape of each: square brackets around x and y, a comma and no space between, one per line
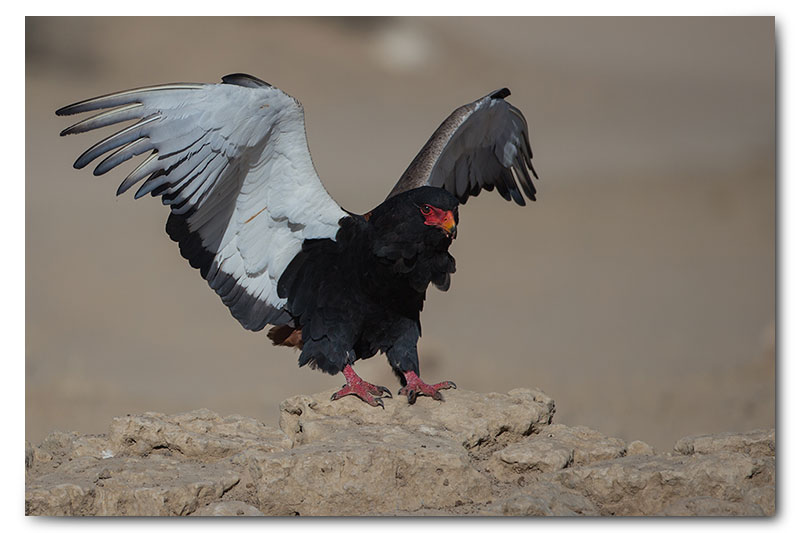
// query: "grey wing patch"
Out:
[481,146]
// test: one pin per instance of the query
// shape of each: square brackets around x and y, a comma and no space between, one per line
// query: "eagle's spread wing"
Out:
[232,162]
[481,145]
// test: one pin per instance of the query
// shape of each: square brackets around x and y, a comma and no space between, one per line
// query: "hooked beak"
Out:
[448,224]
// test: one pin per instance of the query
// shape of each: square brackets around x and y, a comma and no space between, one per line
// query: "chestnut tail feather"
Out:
[286,335]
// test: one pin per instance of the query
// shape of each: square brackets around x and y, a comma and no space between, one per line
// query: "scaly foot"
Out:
[416,387]
[368,392]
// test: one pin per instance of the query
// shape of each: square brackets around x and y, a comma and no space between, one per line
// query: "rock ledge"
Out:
[474,454]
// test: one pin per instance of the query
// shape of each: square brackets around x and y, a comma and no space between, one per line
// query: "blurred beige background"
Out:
[638,291]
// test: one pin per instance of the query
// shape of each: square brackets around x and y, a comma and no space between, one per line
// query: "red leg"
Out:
[416,387]
[368,392]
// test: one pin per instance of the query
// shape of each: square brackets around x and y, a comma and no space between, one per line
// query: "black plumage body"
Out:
[363,293]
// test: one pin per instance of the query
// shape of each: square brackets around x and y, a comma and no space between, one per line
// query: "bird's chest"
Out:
[379,289]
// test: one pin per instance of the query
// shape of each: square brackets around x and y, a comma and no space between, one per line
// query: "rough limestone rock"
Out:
[642,485]
[757,442]
[401,459]
[127,486]
[368,471]
[200,433]
[473,420]
[544,499]
[638,447]
[705,506]
[473,454]
[228,508]
[554,448]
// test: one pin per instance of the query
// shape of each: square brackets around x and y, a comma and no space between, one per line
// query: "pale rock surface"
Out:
[756,442]
[554,448]
[473,454]
[472,419]
[647,485]
[201,433]
[127,486]
[544,499]
[638,447]
[228,508]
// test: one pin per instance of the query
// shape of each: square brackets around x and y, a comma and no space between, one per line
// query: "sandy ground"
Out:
[639,290]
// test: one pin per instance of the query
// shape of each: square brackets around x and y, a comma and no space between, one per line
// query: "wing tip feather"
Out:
[244,80]
[500,94]
[65,111]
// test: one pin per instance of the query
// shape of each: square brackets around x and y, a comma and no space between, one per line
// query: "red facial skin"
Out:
[440,218]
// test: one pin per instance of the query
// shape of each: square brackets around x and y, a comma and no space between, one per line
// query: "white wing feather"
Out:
[232,162]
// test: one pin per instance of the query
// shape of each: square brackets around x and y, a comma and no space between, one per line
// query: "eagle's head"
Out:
[424,215]
[412,232]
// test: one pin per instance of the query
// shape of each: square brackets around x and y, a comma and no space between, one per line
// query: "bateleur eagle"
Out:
[248,210]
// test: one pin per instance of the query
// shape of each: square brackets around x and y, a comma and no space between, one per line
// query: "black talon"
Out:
[380,402]
[412,397]
[385,390]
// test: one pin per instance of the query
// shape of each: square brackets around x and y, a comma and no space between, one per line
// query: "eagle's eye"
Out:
[425,209]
